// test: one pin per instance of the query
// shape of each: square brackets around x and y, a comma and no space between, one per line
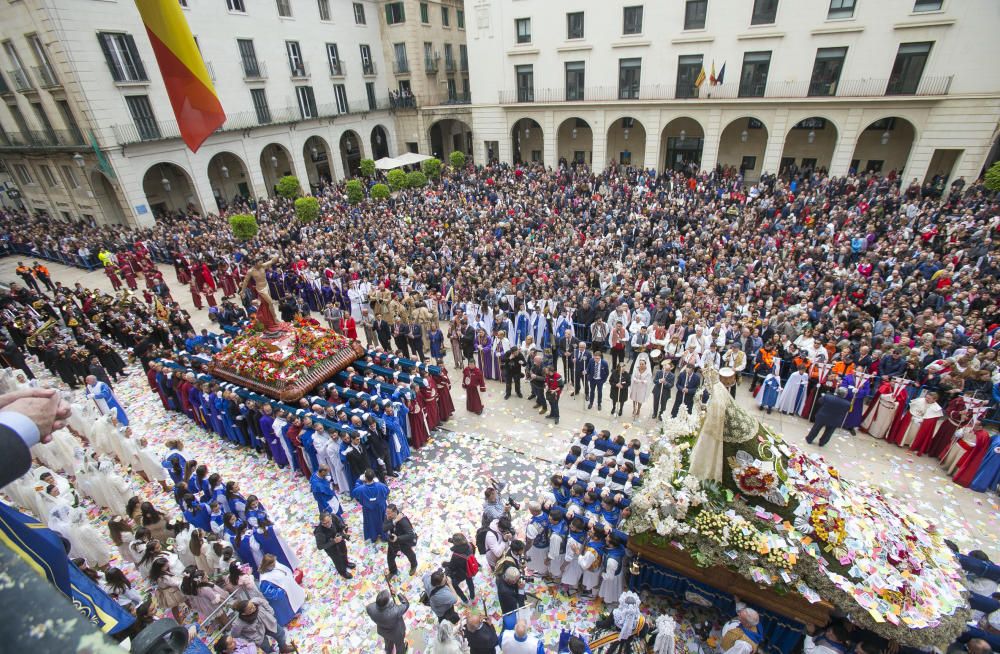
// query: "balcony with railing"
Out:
[298,70]
[463,64]
[148,131]
[253,69]
[458,98]
[861,88]
[34,139]
[20,79]
[336,68]
[46,77]
[449,65]
[401,67]
[431,64]
[368,68]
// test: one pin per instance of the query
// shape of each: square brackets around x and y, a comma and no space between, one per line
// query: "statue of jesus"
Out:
[265,308]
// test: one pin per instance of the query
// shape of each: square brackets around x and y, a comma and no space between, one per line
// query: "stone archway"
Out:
[316,154]
[107,199]
[275,163]
[627,142]
[682,141]
[448,135]
[230,179]
[884,146]
[351,152]
[527,141]
[809,146]
[169,189]
[742,146]
[380,142]
[575,142]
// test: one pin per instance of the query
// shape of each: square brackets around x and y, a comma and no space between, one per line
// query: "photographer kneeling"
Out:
[510,591]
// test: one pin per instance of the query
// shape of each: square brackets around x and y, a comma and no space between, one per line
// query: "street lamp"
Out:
[574,132]
[744,135]
[527,131]
[811,136]
[885,137]
[682,136]
[79,160]
[626,133]
[166,184]
[225,171]
[274,161]
[314,151]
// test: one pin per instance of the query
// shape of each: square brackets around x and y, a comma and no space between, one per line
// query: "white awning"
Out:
[387,163]
[410,158]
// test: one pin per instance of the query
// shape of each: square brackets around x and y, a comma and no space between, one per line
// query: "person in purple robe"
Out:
[273,444]
[484,355]
[856,414]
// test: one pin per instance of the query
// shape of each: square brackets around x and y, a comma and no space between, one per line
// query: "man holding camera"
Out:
[331,537]
[387,615]
[510,592]
[401,537]
[439,595]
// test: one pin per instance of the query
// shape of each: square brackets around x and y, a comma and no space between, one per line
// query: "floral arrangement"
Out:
[299,349]
[785,519]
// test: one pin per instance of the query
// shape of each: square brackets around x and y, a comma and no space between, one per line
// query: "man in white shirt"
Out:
[519,641]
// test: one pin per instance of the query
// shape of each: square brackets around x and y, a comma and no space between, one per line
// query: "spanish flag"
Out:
[196,106]
[701,78]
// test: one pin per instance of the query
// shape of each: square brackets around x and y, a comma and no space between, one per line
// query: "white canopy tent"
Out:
[406,159]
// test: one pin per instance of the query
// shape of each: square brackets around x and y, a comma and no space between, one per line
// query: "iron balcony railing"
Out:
[21,80]
[160,130]
[299,70]
[46,77]
[400,67]
[860,88]
[42,139]
[431,63]
[449,65]
[253,69]
[336,68]
[368,68]
[458,98]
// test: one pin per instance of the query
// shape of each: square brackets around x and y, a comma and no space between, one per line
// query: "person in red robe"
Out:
[195,295]
[111,270]
[442,388]
[429,403]
[294,434]
[418,425]
[151,378]
[928,427]
[181,270]
[348,327]
[473,383]
[206,277]
[228,280]
[956,416]
[969,464]
[209,295]
[129,276]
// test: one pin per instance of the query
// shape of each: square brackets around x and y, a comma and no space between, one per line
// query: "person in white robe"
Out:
[920,410]
[81,419]
[72,524]
[182,545]
[612,574]
[103,435]
[279,575]
[115,489]
[536,555]
[146,463]
[793,395]
[878,421]
[57,454]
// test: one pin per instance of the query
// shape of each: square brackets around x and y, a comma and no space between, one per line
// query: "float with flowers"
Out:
[730,507]
[287,362]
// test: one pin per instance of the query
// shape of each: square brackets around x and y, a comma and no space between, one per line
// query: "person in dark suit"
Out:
[416,340]
[468,340]
[400,336]
[565,347]
[29,416]
[402,538]
[579,361]
[383,332]
[331,537]
[388,618]
[830,414]
[598,372]
[688,381]
[513,364]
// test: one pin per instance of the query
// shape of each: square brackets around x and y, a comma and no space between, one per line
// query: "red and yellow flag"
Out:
[196,106]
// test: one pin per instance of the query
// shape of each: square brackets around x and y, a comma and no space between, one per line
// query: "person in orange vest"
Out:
[25,273]
[42,273]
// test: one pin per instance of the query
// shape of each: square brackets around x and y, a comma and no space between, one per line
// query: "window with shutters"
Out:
[23,174]
[460,18]
[248,57]
[370,92]
[324,9]
[122,57]
[425,13]
[445,17]
[359,14]
[575,71]
[340,94]
[333,56]
[629,76]
[50,179]
[522,26]
[285,8]
[574,25]
[307,102]
[295,61]
[525,76]
[71,179]
[632,20]
[238,6]
[695,13]
[260,106]
[394,13]
[142,116]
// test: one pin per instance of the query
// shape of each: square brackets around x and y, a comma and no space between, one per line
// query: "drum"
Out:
[655,357]
[727,376]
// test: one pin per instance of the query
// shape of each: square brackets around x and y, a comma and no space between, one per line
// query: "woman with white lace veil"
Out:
[446,641]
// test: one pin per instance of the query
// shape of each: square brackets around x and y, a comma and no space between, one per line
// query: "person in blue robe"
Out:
[267,429]
[856,413]
[322,489]
[345,443]
[988,475]
[372,496]
[254,513]
[436,338]
[289,448]
[105,399]
[198,484]
[278,599]
[219,408]
[197,513]
[237,503]
[270,542]
[176,465]
[309,447]
[521,327]
[403,417]
[194,399]
[218,491]
[246,547]
[767,396]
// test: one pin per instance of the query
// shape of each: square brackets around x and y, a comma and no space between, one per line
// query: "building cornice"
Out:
[701,38]
[943,22]
[747,36]
[840,29]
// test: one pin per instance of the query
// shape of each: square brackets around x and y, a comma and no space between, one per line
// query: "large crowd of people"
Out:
[861,293]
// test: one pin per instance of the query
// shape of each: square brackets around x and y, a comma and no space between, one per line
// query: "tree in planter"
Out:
[379,192]
[431,168]
[367,167]
[307,209]
[993,177]
[416,179]
[244,226]
[457,159]
[396,179]
[288,187]
[355,191]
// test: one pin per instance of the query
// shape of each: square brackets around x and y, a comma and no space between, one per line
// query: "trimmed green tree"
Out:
[307,209]
[367,167]
[244,226]
[457,159]
[431,167]
[355,191]
[379,192]
[416,179]
[396,179]
[288,187]
[993,177]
